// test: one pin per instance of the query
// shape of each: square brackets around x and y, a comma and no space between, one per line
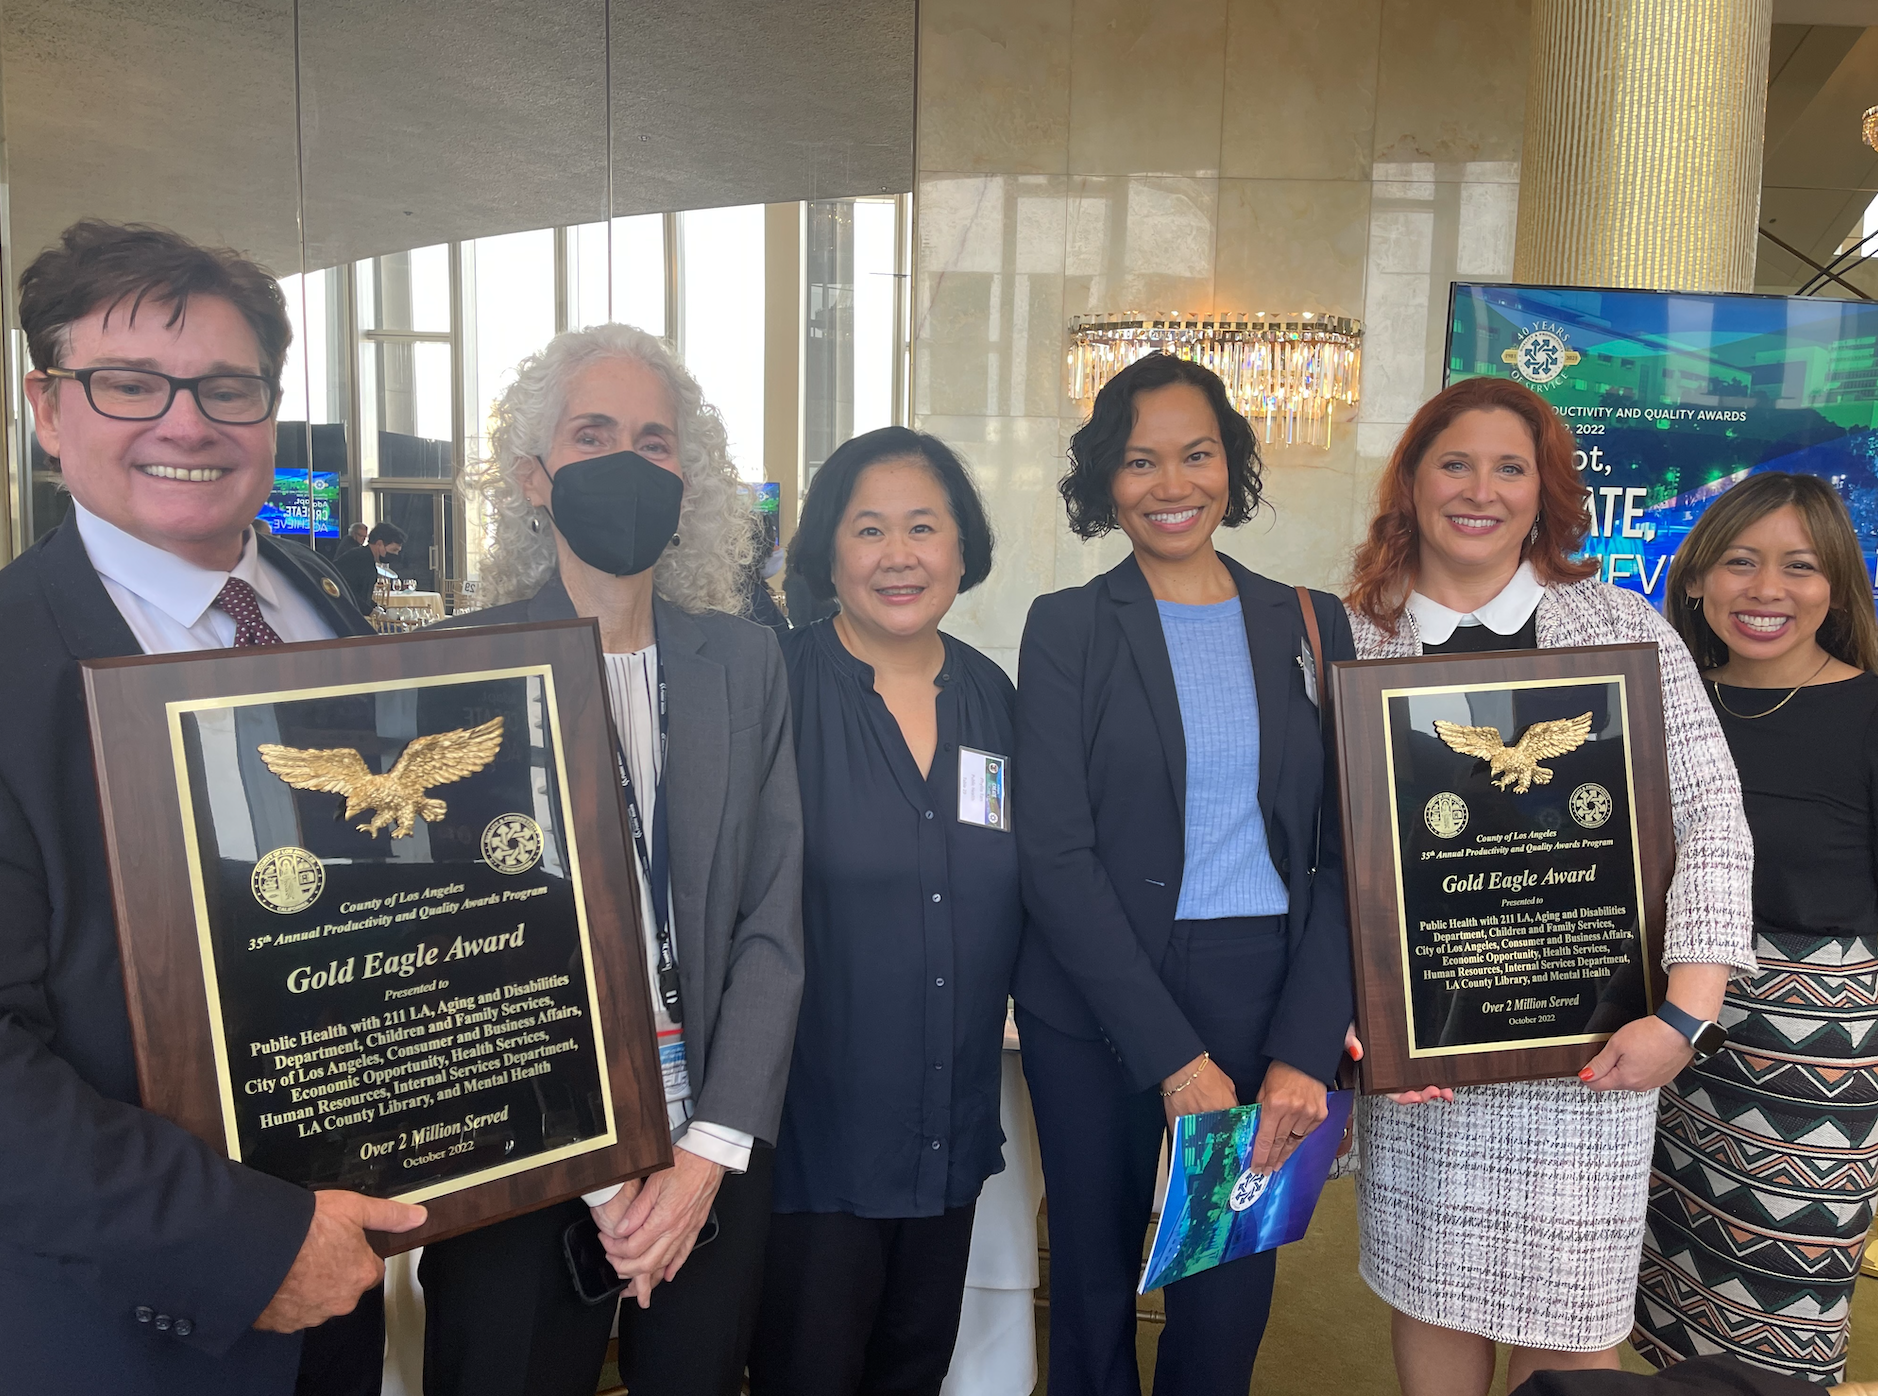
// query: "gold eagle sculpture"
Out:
[1519,762]
[398,796]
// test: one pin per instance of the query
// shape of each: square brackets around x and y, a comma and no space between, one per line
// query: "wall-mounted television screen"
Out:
[1675,396]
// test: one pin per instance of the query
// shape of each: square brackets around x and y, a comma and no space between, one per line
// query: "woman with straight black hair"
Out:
[1187,947]
[911,914]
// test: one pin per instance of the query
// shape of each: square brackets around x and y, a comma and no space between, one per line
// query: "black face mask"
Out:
[617,512]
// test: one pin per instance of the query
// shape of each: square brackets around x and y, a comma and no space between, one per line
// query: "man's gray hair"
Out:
[716,523]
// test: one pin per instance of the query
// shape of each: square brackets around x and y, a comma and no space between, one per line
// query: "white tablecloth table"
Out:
[996,1353]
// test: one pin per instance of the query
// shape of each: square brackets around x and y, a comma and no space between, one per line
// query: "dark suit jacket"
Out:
[736,851]
[1100,783]
[359,569]
[106,1209]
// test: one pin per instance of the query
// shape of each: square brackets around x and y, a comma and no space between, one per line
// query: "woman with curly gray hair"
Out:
[613,497]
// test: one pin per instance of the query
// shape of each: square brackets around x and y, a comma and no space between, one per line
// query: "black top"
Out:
[910,924]
[1478,639]
[1808,772]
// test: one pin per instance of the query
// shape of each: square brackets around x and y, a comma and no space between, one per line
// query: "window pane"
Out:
[876,288]
[586,275]
[828,347]
[313,386]
[510,313]
[721,337]
[639,272]
[406,290]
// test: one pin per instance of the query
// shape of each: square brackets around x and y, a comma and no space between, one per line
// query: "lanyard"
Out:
[655,862]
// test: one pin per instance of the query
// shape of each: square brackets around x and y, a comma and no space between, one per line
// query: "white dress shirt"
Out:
[632,691]
[169,604]
[1504,615]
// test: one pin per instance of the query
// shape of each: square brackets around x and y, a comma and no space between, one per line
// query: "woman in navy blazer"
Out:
[1187,946]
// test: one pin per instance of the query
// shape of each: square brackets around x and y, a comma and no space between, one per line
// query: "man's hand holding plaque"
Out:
[336,1263]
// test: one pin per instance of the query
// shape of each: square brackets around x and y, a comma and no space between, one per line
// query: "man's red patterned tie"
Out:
[238,599]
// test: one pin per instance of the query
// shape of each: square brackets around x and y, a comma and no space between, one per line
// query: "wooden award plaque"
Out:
[1508,850]
[378,918]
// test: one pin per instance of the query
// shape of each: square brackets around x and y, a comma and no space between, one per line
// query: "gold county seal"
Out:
[512,843]
[1446,815]
[1590,805]
[287,879]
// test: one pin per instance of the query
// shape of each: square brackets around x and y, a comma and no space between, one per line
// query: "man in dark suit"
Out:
[133,1257]
[360,566]
[354,539]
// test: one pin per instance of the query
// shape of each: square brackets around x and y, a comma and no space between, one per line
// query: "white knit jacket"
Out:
[1711,915]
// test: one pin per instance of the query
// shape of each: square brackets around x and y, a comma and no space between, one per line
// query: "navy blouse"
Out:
[910,924]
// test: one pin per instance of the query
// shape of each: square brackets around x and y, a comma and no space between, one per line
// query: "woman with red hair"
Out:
[1515,1213]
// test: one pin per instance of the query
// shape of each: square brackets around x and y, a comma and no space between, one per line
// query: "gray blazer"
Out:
[736,851]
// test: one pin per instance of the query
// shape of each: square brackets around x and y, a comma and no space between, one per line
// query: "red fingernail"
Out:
[1586,1074]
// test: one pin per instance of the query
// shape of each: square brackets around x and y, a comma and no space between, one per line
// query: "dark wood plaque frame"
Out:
[1369,847]
[158,939]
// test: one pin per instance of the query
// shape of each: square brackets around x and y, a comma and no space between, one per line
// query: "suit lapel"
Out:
[304,578]
[87,617]
[1141,627]
[1272,642]
[698,700]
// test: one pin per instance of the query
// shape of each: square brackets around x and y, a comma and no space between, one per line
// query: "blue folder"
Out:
[1217,1209]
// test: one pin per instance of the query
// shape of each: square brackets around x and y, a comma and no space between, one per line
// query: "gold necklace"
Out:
[1749,717]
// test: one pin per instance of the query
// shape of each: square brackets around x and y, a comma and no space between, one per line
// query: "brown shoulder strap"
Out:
[1346,1069]
[1317,640]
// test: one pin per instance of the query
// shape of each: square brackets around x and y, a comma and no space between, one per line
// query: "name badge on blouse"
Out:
[982,791]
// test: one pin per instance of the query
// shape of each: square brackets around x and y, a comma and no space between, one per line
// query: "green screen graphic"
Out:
[1674,397]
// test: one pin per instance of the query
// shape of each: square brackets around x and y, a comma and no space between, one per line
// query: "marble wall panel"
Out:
[1015,463]
[1213,155]
[988,295]
[1301,534]
[1004,72]
[1147,83]
[1451,80]
[1291,244]
[1142,243]
[1300,97]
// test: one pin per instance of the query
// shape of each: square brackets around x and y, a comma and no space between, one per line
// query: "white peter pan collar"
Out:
[1504,615]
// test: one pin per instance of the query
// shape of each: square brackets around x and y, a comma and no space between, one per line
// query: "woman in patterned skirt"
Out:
[1767,1154]
[1514,1214]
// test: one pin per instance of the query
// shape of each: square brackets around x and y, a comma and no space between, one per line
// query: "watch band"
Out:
[1704,1037]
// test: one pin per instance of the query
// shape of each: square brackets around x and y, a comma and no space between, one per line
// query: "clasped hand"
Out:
[649,1228]
[1291,1105]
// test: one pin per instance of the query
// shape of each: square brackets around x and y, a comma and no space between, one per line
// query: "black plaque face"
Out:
[1521,909]
[409,1011]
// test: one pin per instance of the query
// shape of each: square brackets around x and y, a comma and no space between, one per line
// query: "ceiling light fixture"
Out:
[1287,373]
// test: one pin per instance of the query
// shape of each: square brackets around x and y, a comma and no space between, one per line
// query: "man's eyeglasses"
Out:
[142,395]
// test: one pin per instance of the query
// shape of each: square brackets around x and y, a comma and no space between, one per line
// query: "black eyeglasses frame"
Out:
[192,386]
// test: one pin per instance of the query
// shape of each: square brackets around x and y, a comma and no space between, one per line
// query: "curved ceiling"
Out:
[408,122]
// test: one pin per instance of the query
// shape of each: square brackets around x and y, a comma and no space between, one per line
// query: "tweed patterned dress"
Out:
[1517,1211]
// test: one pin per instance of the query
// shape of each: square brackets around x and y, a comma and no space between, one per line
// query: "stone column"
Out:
[1642,160]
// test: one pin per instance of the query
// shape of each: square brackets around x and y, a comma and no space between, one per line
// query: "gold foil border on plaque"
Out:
[1395,831]
[206,942]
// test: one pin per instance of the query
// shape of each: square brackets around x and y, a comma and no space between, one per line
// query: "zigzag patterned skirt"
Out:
[1765,1168]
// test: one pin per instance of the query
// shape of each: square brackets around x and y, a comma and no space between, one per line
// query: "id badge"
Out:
[982,791]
